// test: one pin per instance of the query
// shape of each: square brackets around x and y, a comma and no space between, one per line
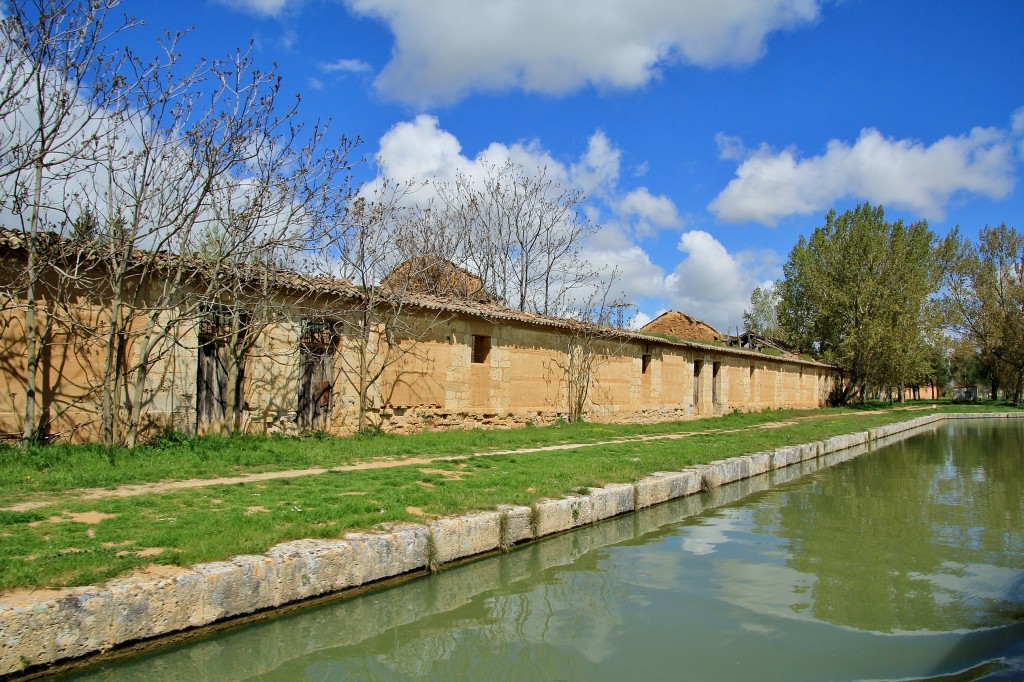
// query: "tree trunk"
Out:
[848,392]
[146,344]
[364,387]
[29,432]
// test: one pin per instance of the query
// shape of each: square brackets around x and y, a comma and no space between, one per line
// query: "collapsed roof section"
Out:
[682,326]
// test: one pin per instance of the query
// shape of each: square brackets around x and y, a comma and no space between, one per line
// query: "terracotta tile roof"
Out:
[498,313]
[484,309]
[315,284]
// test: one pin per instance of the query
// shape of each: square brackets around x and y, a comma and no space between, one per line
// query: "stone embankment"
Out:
[42,628]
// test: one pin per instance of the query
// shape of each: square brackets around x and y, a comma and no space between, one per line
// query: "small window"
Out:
[645,362]
[481,348]
[320,333]
[215,322]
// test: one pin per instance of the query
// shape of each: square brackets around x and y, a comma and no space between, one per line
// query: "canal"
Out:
[903,563]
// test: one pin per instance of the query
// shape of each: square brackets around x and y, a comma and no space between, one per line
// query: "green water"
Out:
[904,563]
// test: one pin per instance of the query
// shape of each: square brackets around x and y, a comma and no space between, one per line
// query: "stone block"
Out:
[309,568]
[786,456]
[760,463]
[385,554]
[724,471]
[146,607]
[517,525]
[810,450]
[835,443]
[663,486]
[464,536]
[611,500]
[554,516]
[41,630]
[231,589]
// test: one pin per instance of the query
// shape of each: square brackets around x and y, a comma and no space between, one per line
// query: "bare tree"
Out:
[594,336]
[165,191]
[387,320]
[59,83]
[521,232]
[226,195]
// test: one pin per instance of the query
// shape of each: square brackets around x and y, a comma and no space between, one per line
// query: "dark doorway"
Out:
[698,366]
[212,394]
[212,408]
[716,383]
[316,379]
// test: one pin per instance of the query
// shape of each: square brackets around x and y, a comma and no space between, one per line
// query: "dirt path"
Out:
[132,490]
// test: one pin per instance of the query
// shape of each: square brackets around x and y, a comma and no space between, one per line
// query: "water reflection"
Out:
[902,563]
[912,538]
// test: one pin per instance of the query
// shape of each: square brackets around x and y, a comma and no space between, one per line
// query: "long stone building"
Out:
[319,354]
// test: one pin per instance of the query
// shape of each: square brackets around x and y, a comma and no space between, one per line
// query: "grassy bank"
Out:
[76,541]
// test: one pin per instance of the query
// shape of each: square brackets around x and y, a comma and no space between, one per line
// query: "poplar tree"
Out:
[985,284]
[762,314]
[855,294]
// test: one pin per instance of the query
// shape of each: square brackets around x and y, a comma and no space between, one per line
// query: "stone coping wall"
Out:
[45,627]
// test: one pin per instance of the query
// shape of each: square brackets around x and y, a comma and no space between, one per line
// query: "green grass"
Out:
[58,467]
[47,548]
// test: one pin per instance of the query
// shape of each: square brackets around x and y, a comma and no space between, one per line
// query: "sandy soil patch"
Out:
[448,475]
[777,425]
[89,517]
[81,517]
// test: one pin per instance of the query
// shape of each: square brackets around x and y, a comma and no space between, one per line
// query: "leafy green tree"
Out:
[967,366]
[762,315]
[855,294]
[985,285]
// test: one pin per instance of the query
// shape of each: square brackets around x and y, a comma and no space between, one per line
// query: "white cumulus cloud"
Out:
[446,48]
[649,212]
[1017,122]
[770,185]
[597,172]
[714,285]
[422,150]
[638,276]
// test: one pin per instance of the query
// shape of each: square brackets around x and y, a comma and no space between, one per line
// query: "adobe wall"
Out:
[434,381]
[523,380]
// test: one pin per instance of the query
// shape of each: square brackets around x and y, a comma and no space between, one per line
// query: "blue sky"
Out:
[708,135]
